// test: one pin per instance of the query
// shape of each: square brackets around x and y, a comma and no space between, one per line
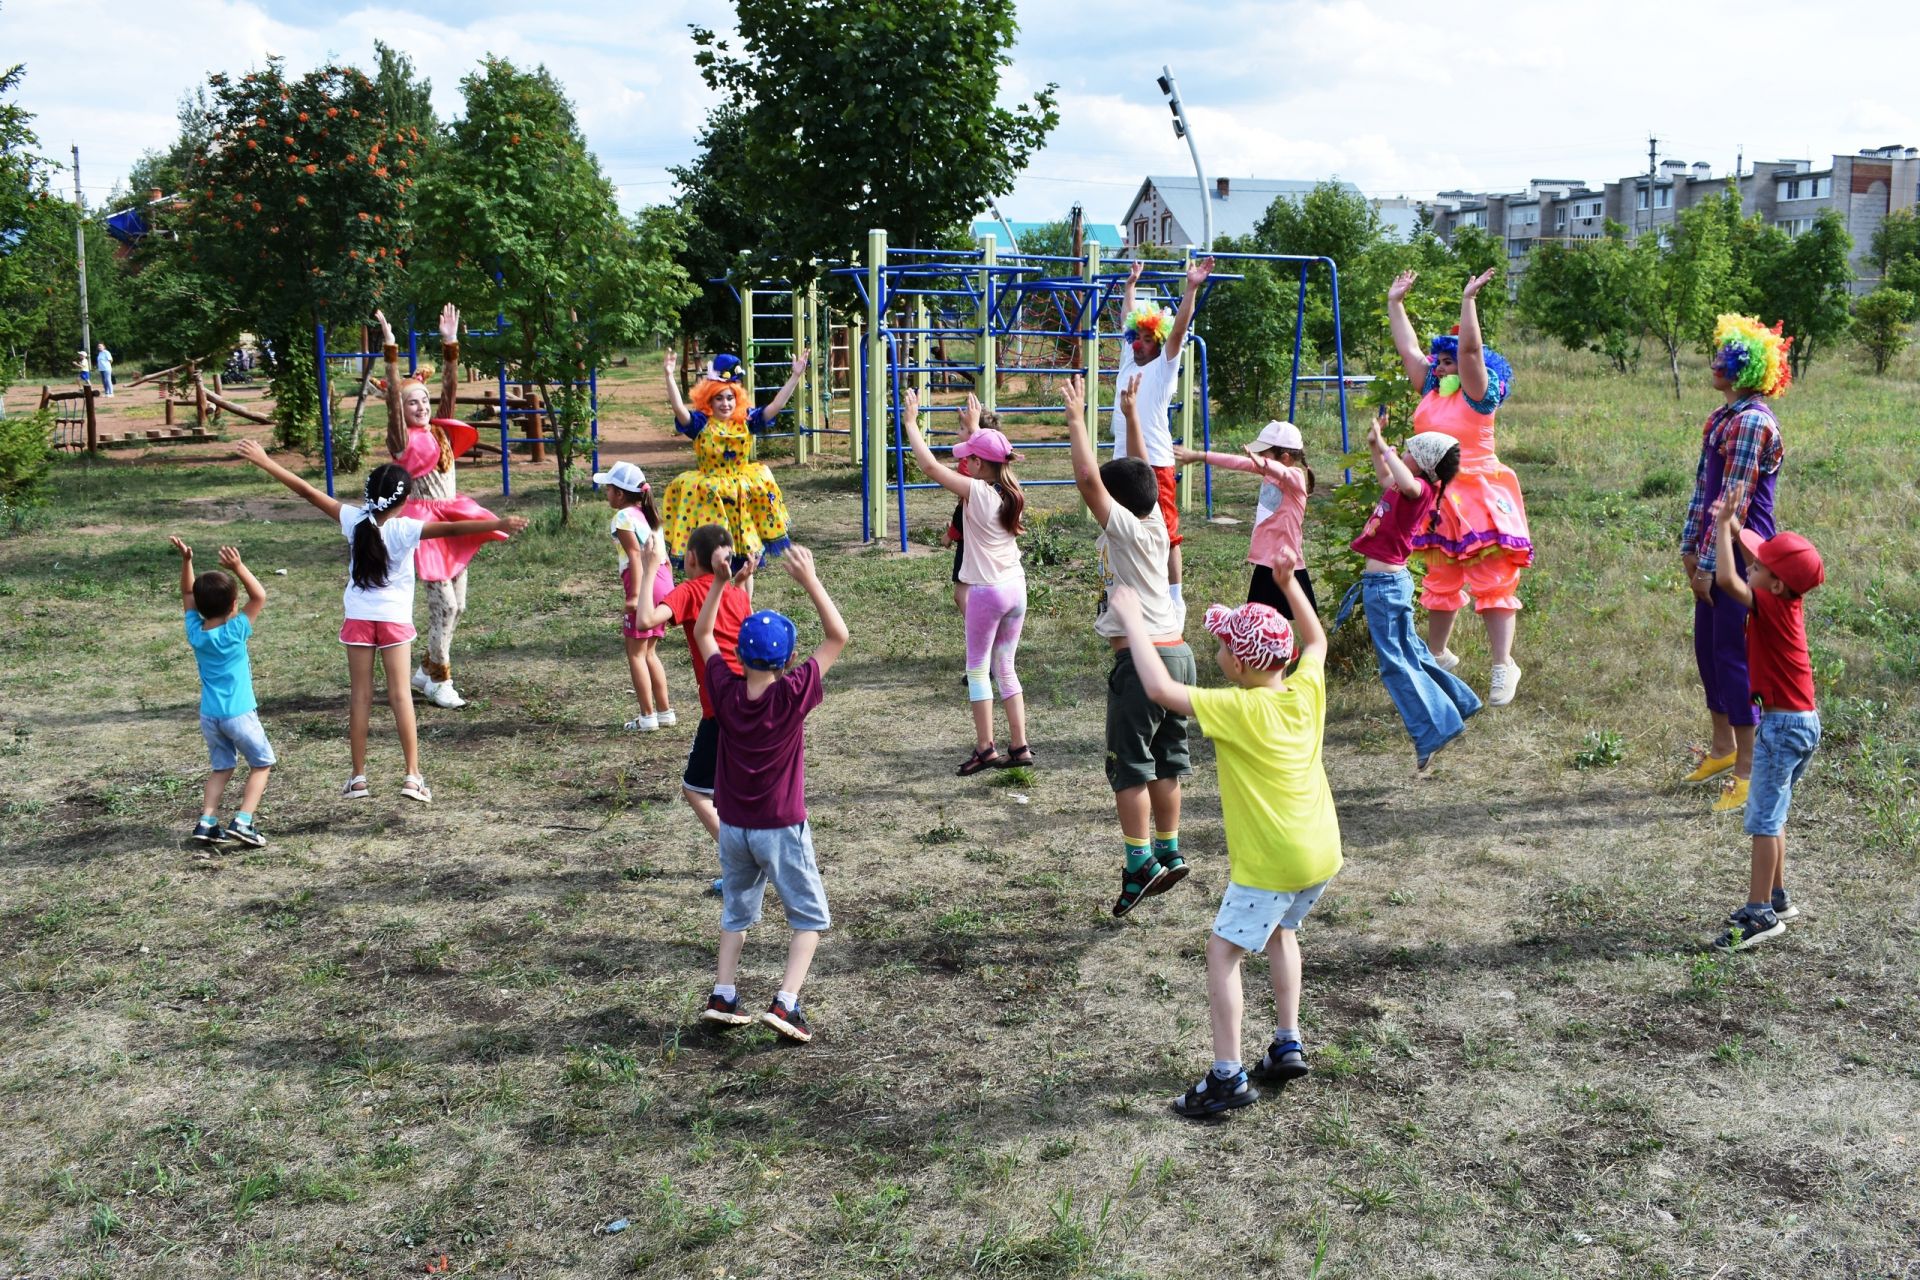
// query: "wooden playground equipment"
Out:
[76,424]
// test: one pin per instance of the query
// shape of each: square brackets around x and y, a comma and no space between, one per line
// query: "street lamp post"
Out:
[1181,129]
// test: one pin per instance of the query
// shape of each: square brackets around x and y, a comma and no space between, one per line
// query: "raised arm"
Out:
[1405,340]
[1726,574]
[1183,456]
[396,416]
[969,419]
[469,528]
[1133,278]
[252,452]
[1313,636]
[787,388]
[1388,465]
[723,576]
[1473,355]
[1086,462]
[947,478]
[833,628]
[1157,682]
[449,406]
[674,400]
[646,613]
[256,594]
[1197,274]
[186,573]
[1129,412]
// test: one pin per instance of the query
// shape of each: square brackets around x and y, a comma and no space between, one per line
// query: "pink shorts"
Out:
[662,585]
[361,633]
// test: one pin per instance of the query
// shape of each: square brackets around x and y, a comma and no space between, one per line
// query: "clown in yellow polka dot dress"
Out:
[727,487]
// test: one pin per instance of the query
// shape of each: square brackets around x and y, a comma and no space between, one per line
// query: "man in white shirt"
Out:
[104,362]
[1151,349]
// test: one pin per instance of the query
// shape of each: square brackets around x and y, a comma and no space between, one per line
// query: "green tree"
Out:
[870,113]
[1678,281]
[1896,246]
[299,204]
[522,222]
[1801,282]
[1883,324]
[55,344]
[406,98]
[1576,294]
[1248,326]
[30,228]
[721,221]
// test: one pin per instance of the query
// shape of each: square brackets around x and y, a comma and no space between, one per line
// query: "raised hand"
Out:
[1130,393]
[1182,456]
[230,557]
[800,361]
[386,330]
[1285,561]
[1134,270]
[251,451]
[671,362]
[1401,286]
[1073,394]
[186,552]
[1124,600]
[1479,282]
[449,324]
[969,415]
[910,408]
[1197,272]
[799,563]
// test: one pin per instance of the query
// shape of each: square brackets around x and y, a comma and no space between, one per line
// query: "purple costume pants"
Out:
[1720,651]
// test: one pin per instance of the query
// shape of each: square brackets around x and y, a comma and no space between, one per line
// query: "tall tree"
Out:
[870,113]
[1678,282]
[1882,321]
[406,97]
[1576,294]
[30,227]
[518,220]
[721,220]
[1801,282]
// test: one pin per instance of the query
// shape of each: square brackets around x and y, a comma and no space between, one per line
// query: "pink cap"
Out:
[988,445]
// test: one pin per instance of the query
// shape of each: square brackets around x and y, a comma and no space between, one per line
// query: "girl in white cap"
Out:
[634,525]
[1279,457]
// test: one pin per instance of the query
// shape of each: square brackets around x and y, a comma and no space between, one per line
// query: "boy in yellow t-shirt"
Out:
[1283,837]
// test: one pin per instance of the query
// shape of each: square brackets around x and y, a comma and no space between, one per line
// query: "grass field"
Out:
[471,1030]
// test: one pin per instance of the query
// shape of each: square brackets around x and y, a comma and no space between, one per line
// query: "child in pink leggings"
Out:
[996,583]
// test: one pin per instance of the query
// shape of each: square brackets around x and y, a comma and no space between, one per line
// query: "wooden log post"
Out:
[537,421]
[93,431]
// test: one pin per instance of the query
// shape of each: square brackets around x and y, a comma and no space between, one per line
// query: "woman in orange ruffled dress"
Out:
[1479,541]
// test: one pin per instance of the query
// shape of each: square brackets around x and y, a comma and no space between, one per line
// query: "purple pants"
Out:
[1720,651]
[995,613]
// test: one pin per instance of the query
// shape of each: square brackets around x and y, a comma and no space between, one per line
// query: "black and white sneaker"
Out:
[721,1009]
[1285,1061]
[246,833]
[1783,906]
[788,1022]
[209,831]
[1749,926]
[1213,1095]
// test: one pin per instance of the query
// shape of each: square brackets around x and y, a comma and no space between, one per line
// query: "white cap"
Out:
[1280,435]
[622,475]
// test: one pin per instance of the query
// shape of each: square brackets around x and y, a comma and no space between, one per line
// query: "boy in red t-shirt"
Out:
[681,606]
[1780,570]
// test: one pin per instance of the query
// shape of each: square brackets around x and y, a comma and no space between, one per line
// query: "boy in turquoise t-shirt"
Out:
[218,628]
[1283,836]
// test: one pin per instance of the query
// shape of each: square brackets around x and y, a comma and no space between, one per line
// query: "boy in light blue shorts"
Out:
[218,628]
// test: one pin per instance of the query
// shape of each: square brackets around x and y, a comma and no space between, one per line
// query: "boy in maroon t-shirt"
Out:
[1781,570]
[762,785]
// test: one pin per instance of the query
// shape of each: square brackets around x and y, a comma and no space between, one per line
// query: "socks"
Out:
[1225,1069]
[1173,590]
[1166,844]
[209,819]
[1288,1034]
[788,1000]
[725,990]
[243,817]
[1138,854]
[1760,906]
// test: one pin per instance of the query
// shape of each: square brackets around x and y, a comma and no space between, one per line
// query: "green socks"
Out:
[1166,844]
[1138,853]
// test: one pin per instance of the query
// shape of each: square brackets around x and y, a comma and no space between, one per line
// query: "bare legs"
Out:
[1158,800]
[1769,868]
[1500,628]
[648,673]
[1016,708]
[395,659]
[1734,739]
[1226,1004]
[799,958]
[702,806]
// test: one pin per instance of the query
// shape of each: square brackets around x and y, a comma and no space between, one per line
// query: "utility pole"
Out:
[1181,129]
[1653,152]
[80,253]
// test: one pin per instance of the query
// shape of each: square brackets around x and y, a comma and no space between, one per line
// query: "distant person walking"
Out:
[103,360]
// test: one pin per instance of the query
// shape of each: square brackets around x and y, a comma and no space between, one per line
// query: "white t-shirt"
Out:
[988,553]
[630,519]
[1157,382]
[1133,551]
[393,602]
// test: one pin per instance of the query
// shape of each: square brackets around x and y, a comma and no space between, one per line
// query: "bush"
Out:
[25,458]
[1883,322]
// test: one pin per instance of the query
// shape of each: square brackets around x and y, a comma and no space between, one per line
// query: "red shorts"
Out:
[1166,478]
[361,633]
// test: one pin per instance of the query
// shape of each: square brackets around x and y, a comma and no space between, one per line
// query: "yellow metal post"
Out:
[989,351]
[802,416]
[1188,389]
[879,457]
[746,355]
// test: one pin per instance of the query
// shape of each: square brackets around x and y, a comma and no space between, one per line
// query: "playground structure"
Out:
[508,399]
[976,319]
[76,417]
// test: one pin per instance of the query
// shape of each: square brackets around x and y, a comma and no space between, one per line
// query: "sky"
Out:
[1398,98]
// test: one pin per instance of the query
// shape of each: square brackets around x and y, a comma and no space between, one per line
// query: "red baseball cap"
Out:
[1788,557]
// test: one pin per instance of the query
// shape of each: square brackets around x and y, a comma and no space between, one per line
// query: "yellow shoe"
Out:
[1733,796]
[1710,766]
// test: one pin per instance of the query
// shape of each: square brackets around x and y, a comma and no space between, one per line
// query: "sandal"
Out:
[356,788]
[1138,884]
[414,787]
[1018,756]
[987,758]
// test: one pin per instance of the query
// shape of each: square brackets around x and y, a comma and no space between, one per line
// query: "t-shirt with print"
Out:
[226,673]
[630,519]
[392,602]
[1282,832]
[1779,672]
[761,780]
[988,554]
[1157,380]
[1388,535]
[685,600]
[1133,552]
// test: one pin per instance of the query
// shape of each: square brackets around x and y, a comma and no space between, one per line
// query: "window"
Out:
[1478,218]
[1806,188]
[1560,222]
[1662,198]
[1795,226]
[1139,231]
[1597,208]
[1524,215]
[1166,228]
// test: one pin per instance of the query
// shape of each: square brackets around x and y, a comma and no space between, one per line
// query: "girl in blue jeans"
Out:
[1433,703]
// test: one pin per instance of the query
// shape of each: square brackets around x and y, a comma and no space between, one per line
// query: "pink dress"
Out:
[433,496]
[1282,510]
[1482,513]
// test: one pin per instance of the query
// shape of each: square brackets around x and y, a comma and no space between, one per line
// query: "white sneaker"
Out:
[1506,679]
[1446,659]
[642,724]
[667,718]
[441,693]
[421,680]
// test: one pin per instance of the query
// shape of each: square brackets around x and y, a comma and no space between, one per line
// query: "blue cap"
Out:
[766,641]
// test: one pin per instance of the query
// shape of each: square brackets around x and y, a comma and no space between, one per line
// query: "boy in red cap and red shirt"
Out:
[1781,570]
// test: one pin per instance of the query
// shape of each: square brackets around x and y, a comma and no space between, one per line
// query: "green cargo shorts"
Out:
[1145,741]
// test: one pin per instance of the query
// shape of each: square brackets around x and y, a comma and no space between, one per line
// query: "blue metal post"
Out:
[326,402]
[1299,328]
[593,423]
[506,449]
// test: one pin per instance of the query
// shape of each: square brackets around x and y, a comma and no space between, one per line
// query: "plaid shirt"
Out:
[1747,436]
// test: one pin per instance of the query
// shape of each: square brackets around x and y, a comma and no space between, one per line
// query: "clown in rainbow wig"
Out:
[1150,351]
[727,487]
[1478,542]
[1740,454]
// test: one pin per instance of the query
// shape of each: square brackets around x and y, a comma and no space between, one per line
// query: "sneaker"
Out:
[1137,884]
[414,787]
[642,724]
[441,693]
[1506,679]
[1749,926]
[717,887]
[246,833]
[1783,906]
[1733,796]
[1710,766]
[421,680]
[667,718]
[208,832]
[721,1009]
[1423,764]
[356,788]
[1285,1060]
[1446,659]
[1173,869]
[1213,1095]
[788,1022]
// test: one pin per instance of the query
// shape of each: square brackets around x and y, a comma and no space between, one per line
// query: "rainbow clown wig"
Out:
[1151,322]
[1499,372]
[1751,356]
[725,373]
